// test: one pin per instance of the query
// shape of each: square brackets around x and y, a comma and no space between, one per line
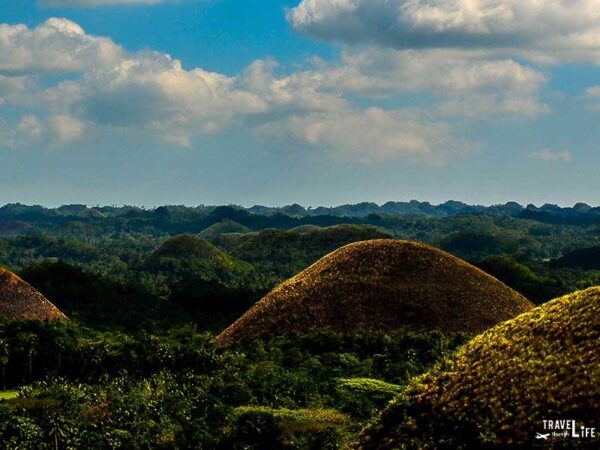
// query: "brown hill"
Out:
[381,285]
[496,392]
[18,300]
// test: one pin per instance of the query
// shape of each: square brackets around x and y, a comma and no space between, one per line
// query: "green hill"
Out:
[496,392]
[284,253]
[223,227]
[188,256]
[381,285]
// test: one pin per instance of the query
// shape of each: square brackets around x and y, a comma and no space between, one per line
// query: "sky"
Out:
[317,102]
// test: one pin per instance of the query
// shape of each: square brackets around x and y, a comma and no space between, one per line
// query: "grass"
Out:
[313,415]
[381,285]
[19,300]
[7,395]
[498,389]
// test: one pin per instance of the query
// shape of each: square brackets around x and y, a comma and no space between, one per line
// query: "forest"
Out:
[146,292]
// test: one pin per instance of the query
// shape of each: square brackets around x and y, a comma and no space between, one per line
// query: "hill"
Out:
[186,256]
[500,387]
[381,285]
[223,227]
[18,300]
[283,253]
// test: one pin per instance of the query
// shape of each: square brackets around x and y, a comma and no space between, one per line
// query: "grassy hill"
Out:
[18,300]
[223,227]
[498,389]
[187,256]
[283,253]
[381,285]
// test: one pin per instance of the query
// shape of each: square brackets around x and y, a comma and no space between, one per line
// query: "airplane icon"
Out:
[542,436]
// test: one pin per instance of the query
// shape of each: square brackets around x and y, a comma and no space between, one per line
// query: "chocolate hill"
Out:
[18,300]
[381,285]
[496,392]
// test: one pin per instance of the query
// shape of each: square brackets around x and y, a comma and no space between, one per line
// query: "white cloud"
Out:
[372,136]
[468,84]
[11,87]
[552,156]
[26,131]
[151,93]
[58,45]
[592,92]
[548,30]
[66,129]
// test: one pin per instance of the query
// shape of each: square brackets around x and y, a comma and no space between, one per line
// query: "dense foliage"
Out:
[147,291]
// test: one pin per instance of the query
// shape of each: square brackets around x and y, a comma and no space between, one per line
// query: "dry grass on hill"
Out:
[498,389]
[381,285]
[18,300]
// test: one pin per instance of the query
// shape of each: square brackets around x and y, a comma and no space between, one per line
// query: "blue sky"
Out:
[318,102]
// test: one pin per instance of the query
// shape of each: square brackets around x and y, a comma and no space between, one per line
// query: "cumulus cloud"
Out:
[58,45]
[469,85]
[372,136]
[11,87]
[153,94]
[66,129]
[592,96]
[552,156]
[151,91]
[27,130]
[544,30]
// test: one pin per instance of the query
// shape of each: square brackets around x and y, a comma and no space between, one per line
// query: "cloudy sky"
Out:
[319,102]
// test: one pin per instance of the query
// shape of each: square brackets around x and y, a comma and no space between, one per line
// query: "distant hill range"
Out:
[548,212]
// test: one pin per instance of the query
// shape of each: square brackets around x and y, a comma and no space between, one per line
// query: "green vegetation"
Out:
[4,395]
[113,389]
[147,291]
[499,388]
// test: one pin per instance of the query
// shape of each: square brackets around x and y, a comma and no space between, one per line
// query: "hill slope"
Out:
[497,391]
[381,285]
[18,300]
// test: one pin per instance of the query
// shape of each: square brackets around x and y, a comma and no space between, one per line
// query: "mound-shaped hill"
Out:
[188,255]
[223,227]
[381,285]
[19,300]
[496,392]
[308,228]
[283,253]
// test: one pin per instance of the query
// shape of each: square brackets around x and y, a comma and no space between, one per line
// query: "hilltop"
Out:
[381,285]
[499,388]
[19,300]
[189,255]
[223,227]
